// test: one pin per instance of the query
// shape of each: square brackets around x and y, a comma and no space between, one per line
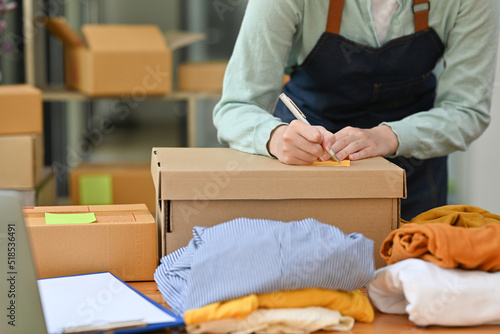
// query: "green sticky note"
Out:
[69,218]
[96,189]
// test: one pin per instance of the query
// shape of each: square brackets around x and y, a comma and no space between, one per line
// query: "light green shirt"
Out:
[278,34]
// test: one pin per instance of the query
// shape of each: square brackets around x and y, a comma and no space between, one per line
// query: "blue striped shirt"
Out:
[246,256]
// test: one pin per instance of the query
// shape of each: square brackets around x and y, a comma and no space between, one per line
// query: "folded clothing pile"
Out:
[443,268]
[254,275]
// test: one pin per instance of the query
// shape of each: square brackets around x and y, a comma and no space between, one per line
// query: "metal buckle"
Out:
[422,7]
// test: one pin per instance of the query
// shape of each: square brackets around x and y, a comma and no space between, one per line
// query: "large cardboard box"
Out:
[114,183]
[122,241]
[21,161]
[44,194]
[21,110]
[208,186]
[111,60]
[205,76]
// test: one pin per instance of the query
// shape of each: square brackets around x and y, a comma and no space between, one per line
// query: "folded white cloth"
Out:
[432,295]
[272,321]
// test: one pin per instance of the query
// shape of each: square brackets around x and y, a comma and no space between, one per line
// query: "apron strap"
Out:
[334,16]
[420,11]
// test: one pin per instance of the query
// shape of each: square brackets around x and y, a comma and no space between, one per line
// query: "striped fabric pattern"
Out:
[246,256]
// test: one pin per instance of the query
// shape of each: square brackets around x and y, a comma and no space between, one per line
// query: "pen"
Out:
[301,117]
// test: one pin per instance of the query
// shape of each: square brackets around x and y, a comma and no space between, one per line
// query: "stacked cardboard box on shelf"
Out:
[119,59]
[112,183]
[21,139]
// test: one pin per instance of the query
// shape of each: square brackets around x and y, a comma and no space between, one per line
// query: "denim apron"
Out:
[343,83]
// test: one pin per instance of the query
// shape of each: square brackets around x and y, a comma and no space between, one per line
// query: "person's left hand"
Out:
[356,143]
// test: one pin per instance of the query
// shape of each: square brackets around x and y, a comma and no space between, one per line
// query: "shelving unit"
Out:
[58,94]
[35,59]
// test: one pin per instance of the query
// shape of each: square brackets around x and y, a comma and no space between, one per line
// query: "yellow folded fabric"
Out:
[349,303]
[456,215]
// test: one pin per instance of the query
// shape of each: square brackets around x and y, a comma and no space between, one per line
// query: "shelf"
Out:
[60,93]
[52,94]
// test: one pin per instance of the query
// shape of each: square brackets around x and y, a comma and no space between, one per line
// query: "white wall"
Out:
[477,171]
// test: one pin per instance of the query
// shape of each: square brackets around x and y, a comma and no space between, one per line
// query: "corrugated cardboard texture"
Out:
[20,110]
[21,159]
[209,186]
[123,241]
[202,76]
[131,183]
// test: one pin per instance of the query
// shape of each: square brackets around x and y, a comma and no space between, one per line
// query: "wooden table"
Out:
[383,323]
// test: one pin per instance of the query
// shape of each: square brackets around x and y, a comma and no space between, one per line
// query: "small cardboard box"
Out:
[44,194]
[99,183]
[202,76]
[208,186]
[21,161]
[111,60]
[122,241]
[21,110]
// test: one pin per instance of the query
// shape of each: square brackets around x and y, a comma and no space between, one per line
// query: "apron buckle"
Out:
[422,7]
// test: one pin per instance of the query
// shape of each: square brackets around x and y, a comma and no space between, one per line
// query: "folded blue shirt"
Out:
[246,256]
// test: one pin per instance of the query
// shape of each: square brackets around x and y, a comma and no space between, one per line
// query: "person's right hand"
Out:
[300,144]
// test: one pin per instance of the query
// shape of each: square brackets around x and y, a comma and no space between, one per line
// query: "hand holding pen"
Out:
[301,117]
[299,143]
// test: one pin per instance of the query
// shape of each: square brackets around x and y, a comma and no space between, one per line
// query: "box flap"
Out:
[59,27]
[102,37]
[223,173]
[180,39]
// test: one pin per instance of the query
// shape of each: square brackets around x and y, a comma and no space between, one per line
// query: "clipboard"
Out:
[100,302]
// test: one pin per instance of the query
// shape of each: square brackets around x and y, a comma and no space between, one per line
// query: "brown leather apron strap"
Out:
[420,10]
[421,13]
[334,16]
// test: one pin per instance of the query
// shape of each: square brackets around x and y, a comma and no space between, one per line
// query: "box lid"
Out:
[179,39]
[224,173]
[59,27]
[105,214]
[100,37]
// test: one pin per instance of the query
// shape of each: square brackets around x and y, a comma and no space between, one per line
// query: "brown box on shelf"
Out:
[111,60]
[207,186]
[44,194]
[122,241]
[114,183]
[21,110]
[21,157]
[202,76]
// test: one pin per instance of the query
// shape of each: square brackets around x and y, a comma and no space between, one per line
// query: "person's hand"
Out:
[300,144]
[356,143]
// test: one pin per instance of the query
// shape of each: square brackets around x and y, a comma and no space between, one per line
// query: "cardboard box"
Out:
[111,60]
[21,161]
[202,76]
[44,194]
[122,241]
[21,109]
[208,186]
[92,184]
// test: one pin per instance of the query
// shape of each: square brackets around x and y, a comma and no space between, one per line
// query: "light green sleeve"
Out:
[253,78]
[464,91]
